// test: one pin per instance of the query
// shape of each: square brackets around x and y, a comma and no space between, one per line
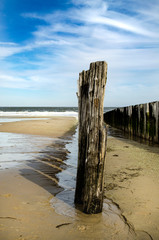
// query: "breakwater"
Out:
[139,120]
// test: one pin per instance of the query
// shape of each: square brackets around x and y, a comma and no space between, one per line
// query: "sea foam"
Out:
[38,114]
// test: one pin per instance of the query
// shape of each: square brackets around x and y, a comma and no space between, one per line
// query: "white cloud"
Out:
[8,81]
[91,31]
[8,44]
[8,49]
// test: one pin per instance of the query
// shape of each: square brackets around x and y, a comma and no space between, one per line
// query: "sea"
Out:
[42,111]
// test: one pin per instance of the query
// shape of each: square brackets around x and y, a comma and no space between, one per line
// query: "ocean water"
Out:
[37,111]
[41,111]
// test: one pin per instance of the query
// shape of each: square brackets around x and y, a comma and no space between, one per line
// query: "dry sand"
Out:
[131,178]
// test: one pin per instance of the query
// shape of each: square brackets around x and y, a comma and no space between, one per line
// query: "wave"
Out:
[38,114]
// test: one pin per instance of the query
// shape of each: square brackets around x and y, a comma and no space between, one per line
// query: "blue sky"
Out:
[45,44]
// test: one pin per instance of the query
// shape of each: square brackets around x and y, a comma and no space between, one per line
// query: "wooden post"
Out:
[92,138]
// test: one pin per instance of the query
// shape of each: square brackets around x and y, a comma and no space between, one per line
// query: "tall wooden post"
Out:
[92,138]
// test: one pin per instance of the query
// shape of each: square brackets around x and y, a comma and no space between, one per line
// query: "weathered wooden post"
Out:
[92,138]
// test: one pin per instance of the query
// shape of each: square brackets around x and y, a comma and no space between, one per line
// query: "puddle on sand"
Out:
[110,224]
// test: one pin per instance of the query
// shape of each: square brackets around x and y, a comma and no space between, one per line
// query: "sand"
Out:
[30,204]
[132,181]
[51,127]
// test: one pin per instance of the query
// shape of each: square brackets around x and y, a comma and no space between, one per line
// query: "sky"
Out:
[45,44]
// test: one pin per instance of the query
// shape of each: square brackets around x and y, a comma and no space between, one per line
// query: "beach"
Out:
[51,127]
[28,187]
[132,181]
[36,194]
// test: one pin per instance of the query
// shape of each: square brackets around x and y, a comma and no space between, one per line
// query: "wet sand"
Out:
[27,187]
[34,206]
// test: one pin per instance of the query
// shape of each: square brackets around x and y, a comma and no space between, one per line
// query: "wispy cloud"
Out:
[125,35]
[9,81]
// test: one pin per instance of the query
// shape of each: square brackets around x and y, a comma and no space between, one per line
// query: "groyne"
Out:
[139,120]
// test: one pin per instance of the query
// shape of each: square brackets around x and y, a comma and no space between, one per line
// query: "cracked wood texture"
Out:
[92,138]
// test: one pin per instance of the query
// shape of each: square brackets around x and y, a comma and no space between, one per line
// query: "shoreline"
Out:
[25,204]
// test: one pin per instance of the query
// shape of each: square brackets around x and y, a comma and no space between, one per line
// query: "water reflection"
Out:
[18,148]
